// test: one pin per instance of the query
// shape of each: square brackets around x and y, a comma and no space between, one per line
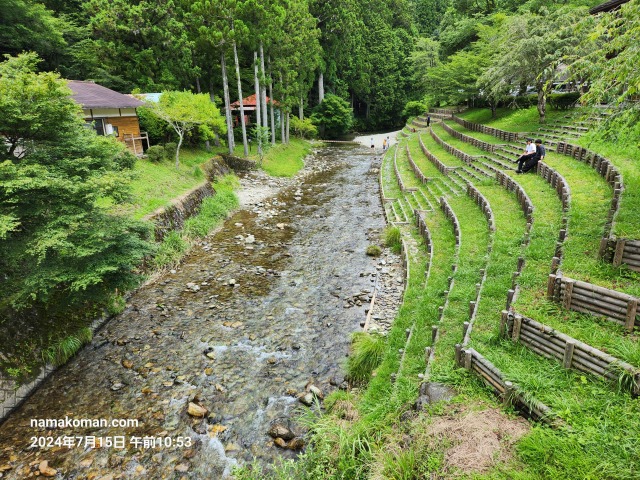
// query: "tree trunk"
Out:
[227,105]
[366,115]
[282,136]
[181,136]
[288,116]
[244,127]
[301,108]
[542,102]
[263,89]
[258,106]
[273,116]
[321,87]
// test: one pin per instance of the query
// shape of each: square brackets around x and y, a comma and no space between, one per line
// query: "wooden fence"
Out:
[621,250]
[484,205]
[584,297]
[433,159]
[612,176]
[509,392]
[416,170]
[486,146]
[465,157]
[513,186]
[496,132]
[398,176]
[423,229]
[450,214]
[550,343]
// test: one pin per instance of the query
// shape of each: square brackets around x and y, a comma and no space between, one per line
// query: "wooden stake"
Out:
[568,290]
[568,354]
[632,309]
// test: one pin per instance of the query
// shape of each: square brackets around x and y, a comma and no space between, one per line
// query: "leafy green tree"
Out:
[59,248]
[137,43]
[609,62]
[26,25]
[185,111]
[531,49]
[333,116]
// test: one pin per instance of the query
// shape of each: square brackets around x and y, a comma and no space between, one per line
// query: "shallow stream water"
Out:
[261,308]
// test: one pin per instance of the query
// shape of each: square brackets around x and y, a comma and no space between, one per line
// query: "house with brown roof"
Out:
[110,113]
[249,107]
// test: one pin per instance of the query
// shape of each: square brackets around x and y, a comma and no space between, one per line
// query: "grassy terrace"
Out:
[585,223]
[627,223]
[604,426]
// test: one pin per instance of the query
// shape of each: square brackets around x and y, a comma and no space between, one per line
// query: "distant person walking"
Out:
[372,144]
[428,121]
[384,144]
[532,160]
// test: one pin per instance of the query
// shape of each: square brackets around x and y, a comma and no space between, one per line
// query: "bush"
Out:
[523,101]
[563,101]
[59,352]
[334,116]
[393,239]
[414,108]
[303,128]
[155,153]
[170,149]
[367,352]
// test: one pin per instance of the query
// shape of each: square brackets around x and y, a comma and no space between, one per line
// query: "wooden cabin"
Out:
[249,107]
[110,113]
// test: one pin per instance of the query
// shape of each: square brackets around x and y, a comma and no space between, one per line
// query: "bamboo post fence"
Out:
[423,229]
[450,214]
[397,172]
[584,297]
[488,147]
[613,177]
[621,250]
[484,205]
[442,168]
[563,190]
[496,132]
[550,343]
[416,170]
[451,149]
[513,186]
[508,392]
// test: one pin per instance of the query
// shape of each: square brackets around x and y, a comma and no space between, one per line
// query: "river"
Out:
[260,309]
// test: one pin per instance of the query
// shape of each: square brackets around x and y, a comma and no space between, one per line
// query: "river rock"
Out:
[127,363]
[306,399]
[296,444]
[315,391]
[279,430]
[249,239]
[280,443]
[194,287]
[196,410]
[46,470]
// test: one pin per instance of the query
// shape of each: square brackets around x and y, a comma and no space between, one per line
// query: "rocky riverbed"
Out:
[212,356]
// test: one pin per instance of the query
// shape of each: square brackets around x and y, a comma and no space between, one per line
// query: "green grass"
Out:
[286,160]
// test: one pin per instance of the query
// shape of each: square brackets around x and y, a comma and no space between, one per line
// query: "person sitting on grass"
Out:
[529,151]
[533,160]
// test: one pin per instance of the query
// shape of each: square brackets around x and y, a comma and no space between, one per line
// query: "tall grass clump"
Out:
[392,239]
[367,352]
[171,249]
[213,209]
[62,350]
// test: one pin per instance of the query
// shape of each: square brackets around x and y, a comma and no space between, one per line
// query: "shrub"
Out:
[414,108]
[155,153]
[303,128]
[393,239]
[367,352]
[170,149]
[563,101]
[197,173]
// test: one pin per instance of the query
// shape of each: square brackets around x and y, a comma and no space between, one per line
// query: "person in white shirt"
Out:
[529,151]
